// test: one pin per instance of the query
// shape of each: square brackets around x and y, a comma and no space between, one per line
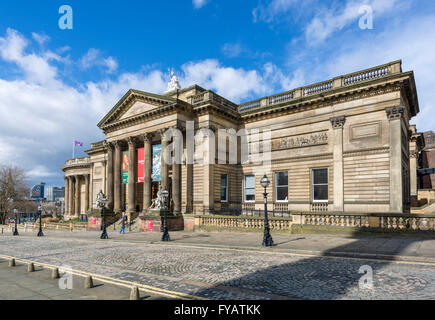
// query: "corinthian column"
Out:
[86,193]
[337,125]
[77,196]
[71,196]
[165,175]
[109,181]
[394,115]
[147,171]
[131,205]
[66,196]
[117,178]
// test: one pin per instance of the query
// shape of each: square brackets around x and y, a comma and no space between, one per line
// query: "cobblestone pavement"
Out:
[219,273]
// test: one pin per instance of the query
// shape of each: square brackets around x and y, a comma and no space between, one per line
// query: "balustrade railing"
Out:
[74,161]
[317,88]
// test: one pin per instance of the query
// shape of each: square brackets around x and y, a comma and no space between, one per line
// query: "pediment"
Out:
[137,108]
[134,103]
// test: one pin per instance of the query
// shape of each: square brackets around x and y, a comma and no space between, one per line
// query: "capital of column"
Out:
[163,136]
[118,144]
[147,137]
[338,122]
[131,141]
[108,145]
[394,113]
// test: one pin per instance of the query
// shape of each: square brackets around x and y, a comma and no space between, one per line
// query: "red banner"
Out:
[140,165]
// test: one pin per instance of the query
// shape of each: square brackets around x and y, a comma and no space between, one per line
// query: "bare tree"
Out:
[13,187]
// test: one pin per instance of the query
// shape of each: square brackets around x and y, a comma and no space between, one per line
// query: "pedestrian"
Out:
[122,223]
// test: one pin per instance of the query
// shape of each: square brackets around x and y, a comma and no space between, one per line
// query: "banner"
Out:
[140,165]
[125,167]
[157,163]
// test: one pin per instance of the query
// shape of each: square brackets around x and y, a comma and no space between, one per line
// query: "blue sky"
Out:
[55,85]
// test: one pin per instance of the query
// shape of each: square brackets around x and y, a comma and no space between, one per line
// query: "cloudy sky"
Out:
[55,85]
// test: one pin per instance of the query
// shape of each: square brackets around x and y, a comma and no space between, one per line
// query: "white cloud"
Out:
[40,38]
[336,18]
[233,84]
[94,58]
[232,50]
[197,4]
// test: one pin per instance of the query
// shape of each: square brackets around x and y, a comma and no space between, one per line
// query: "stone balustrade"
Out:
[77,161]
[243,223]
[325,86]
[209,96]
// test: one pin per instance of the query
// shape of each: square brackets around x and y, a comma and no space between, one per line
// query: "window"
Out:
[224,188]
[250,188]
[281,186]
[320,185]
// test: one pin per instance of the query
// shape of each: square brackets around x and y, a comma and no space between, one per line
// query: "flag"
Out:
[78,144]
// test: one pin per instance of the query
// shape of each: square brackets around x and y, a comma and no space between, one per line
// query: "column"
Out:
[396,183]
[87,193]
[337,125]
[148,162]
[71,196]
[208,166]
[131,205]
[176,187]
[66,196]
[77,196]
[117,178]
[109,181]
[165,176]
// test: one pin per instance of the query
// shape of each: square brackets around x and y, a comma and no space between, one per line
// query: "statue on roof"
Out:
[173,83]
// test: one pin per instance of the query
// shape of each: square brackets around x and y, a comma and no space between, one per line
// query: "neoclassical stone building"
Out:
[342,145]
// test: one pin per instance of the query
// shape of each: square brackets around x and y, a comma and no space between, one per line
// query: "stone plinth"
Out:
[154,222]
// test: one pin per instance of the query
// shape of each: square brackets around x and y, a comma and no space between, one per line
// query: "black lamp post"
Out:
[101,203]
[165,236]
[40,233]
[267,240]
[16,221]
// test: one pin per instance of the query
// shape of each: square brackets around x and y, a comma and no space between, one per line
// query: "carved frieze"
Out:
[306,140]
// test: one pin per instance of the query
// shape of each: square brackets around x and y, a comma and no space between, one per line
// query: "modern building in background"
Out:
[427,162]
[54,193]
[37,192]
[342,145]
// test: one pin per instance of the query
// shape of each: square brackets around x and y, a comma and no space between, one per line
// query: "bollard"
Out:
[134,293]
[55,273]
[31,267]
[88,282]
[12,263]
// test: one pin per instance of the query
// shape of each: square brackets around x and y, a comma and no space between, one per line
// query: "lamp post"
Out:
[16,221]
[40,233]
[101,203]
[267,240]
[165,236]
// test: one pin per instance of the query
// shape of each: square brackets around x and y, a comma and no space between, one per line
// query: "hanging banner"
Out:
[125,167]
[140,165]
[157,163]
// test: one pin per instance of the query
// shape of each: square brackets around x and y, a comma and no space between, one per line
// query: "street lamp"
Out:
[165,236]
[16,221]
[40,233]
[101,203]
[267,240]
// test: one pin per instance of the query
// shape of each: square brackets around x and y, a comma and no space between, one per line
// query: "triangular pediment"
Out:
[134,103]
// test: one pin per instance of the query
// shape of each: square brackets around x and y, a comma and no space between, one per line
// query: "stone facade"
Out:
[427,161]
[343,145]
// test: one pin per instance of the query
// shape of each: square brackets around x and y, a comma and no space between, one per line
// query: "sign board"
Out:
[125,167]
[140,165]
[149,225]
[157,163]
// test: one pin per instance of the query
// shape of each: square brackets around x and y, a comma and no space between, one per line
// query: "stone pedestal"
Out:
[153,221]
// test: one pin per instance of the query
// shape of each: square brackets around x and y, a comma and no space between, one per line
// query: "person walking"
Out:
[122,223]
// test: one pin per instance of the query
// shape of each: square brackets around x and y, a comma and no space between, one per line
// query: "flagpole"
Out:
[74,148]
